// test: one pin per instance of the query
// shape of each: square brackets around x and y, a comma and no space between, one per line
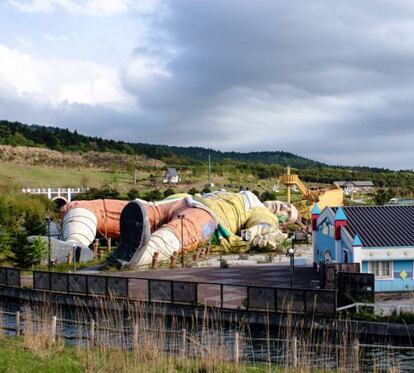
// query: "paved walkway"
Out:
[263,275]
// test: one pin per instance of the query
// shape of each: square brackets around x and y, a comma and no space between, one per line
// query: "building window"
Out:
[381,269]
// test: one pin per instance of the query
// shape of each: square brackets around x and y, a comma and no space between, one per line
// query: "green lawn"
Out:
[15,357]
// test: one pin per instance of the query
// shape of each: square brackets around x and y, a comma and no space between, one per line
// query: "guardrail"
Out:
[379,308]
[218,295]
[10,277]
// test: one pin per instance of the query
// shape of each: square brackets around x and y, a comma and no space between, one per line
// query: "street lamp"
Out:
[181,217]
[291,254]
[49,254]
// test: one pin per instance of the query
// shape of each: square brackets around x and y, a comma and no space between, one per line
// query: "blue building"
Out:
[379,238]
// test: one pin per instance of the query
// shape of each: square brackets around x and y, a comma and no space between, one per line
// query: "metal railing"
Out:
[10,277]
[379,308]
[54,190]
[218,295]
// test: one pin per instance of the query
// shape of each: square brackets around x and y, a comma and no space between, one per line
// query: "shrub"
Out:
[193,191]
[168,192]
[133,194]
[206,189]
[154,195]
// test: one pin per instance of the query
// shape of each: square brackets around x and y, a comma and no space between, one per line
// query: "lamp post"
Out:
[49,254]
[74,256]
[291,254]
[181,217]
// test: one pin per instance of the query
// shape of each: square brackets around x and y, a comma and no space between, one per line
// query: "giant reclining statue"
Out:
[181,222]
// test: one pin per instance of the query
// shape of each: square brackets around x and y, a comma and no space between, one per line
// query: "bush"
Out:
[154,195]
[268,196]
[206,189]
[105,192]
[133,194]
[193,191]
[168,192]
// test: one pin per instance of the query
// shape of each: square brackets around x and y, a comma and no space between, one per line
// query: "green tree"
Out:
[382,196]
[31,253]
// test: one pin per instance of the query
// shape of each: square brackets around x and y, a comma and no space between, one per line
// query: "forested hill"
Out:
[15,133]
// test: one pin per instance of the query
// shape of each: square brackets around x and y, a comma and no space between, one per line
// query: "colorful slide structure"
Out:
[237,221]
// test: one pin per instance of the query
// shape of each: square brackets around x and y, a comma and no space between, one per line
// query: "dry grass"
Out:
[140,339]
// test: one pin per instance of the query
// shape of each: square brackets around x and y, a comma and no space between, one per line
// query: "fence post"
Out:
[236,348]
[355,354]
[295,351]
[17,323]
[92,333]
[183,343]
[53,329]
[135,336]
[221,295]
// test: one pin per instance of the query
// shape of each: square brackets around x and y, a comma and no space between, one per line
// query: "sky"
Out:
[329,80]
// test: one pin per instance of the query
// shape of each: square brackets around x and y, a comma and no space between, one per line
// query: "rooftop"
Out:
[381,226]
[367,183]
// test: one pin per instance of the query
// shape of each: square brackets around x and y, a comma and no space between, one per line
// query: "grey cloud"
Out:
[329,80]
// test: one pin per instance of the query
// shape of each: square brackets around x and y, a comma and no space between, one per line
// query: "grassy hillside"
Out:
[14,133]
[44,156]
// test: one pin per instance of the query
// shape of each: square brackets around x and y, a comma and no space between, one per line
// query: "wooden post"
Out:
[173,258]
[17,323]
[295,351]
[236,348]
[195,255]
[355,355]
[92,333]
[135,176]
[53,329]
[135,336]
[155,260]
[95,246]
[100,253]
[109,244]
[183,343]
[70,258]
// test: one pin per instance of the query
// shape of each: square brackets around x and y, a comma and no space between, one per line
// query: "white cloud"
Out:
[84,7]
[61,80]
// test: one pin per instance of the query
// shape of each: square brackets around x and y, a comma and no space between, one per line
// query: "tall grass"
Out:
[142,338]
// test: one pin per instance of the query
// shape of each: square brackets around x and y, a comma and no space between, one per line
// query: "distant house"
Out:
[350,187]
[171,176]
[379,238]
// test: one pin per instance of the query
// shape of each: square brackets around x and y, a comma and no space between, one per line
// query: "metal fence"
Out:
[328,273]
[222,296]
[74,283]
[10,277]
[355,287]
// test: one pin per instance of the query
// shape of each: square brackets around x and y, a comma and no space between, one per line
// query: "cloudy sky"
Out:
[330,80]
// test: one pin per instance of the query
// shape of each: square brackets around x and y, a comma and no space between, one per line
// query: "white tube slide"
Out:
[162,241]
[79,226]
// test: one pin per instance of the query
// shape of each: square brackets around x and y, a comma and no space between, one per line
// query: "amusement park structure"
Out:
[324,197]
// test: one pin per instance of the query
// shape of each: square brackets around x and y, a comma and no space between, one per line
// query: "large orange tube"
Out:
[107,212]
